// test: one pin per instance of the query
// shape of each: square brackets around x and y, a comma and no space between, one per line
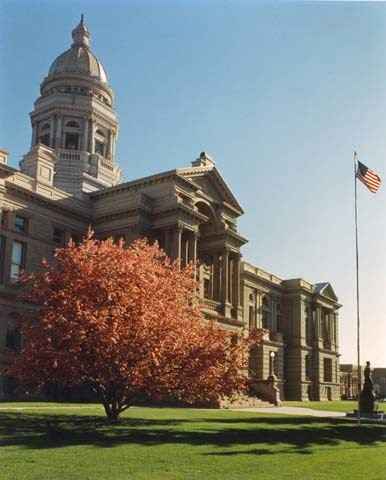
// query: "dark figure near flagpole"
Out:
[367,397]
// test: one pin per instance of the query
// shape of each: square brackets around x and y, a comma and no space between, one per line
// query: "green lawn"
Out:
[337,406]
[51,442]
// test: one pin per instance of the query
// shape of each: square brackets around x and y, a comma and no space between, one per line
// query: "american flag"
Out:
[368,177]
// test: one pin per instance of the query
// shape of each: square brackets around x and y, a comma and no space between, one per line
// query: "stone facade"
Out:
[69,181]
[379,380]
[349,381]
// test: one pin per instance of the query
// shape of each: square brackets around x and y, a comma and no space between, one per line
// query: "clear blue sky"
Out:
[279,93]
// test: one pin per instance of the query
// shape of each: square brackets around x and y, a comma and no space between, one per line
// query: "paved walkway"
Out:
[292,411]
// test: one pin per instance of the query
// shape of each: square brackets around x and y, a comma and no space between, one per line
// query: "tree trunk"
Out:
[112,412]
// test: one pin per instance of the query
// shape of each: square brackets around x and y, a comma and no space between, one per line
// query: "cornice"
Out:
[133,185]
[84,111]
[46,202]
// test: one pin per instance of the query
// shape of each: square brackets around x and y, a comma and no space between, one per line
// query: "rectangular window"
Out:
[17,259]
[71,141]
[327,370]
[13,339]
[58,236]
[20,224]
[2,257]
[100,148]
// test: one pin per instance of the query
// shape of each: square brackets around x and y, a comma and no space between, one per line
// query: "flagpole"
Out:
[357,289]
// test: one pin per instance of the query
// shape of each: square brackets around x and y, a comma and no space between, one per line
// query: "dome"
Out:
[79,59]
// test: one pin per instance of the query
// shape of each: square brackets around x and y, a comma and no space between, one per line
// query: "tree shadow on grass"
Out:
[264,435]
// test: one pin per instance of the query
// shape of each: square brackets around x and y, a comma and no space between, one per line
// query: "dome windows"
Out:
[72,124]
[71,135]
[44,134]
[71,141]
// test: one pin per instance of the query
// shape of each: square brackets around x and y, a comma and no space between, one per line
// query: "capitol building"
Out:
[69,180]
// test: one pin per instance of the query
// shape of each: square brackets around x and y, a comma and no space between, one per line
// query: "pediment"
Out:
[211,184]
[326,290]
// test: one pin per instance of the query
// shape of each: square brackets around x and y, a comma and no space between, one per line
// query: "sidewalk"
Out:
[292,411]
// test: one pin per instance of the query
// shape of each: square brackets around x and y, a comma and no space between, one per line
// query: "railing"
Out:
[211,304]
[69,154]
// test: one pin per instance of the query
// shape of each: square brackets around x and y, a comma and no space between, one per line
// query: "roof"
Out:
[325,289]
[190,175]
[79,59]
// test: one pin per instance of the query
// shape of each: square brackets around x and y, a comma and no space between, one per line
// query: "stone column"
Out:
[92,139]
[113,146]
[176,247]
[195,258]
[34,134]
[195,244]
[336,325]
[192,247]
[237,279]
[110,145]
[85,135]
[52,139]
[58,139]
[225,276]
[185,250]
[317,315]
[239,292]
[216,276]
[331,330]
[230,280]
[225,283]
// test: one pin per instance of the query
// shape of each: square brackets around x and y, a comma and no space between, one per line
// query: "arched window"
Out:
[208,226]
[72,124]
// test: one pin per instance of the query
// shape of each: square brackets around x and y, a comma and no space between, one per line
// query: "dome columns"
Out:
[52,126]
[74,116]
